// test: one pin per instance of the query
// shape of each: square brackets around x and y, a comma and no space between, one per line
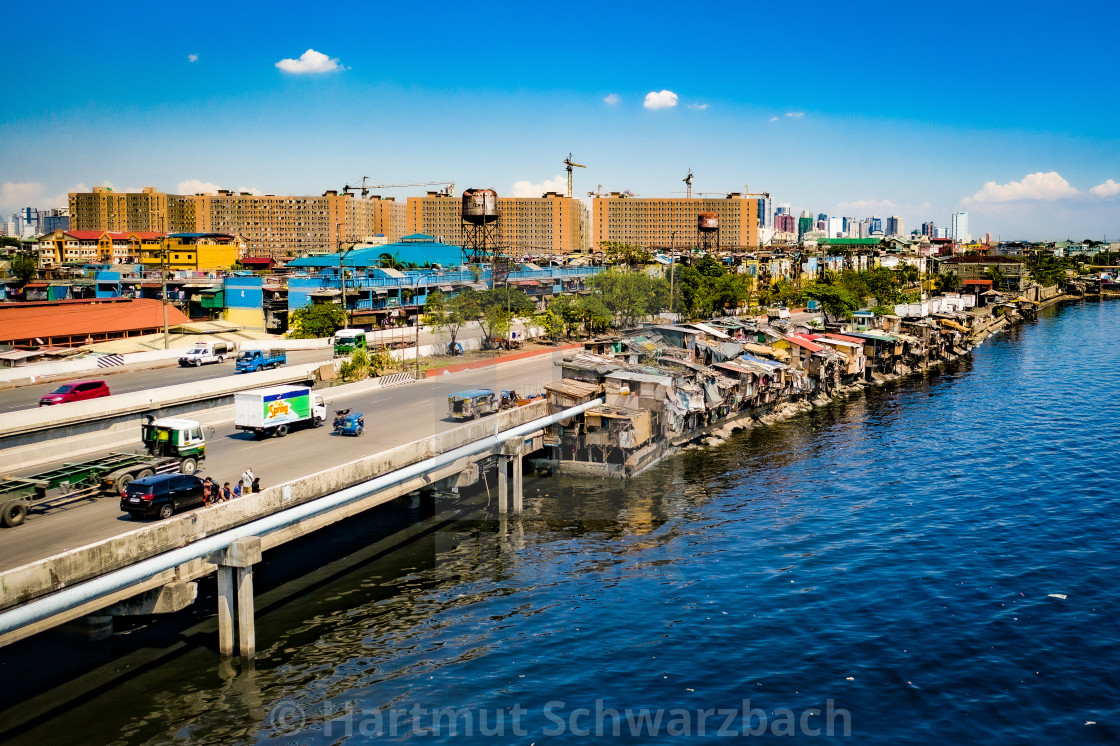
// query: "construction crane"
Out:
[448,187]
[690,193]
[688,182]
[570,164]
[597,193]
[748,193]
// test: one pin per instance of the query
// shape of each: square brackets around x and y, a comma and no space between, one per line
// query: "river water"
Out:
[931,562]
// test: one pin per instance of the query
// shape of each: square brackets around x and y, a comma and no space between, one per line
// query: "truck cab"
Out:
[255,360]
[348,340]
[202,353]
[174,436]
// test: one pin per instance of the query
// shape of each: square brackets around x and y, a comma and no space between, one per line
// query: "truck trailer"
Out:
[278,409]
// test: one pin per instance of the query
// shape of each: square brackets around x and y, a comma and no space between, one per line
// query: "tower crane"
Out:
[570,164]
[597,193]
[688,182]
[448,186]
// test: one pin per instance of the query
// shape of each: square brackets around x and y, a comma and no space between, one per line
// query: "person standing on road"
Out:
[208,497]
[239,490]
[227,492]
[247,478]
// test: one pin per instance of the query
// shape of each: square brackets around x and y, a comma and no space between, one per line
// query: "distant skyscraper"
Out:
[785,223]
[782,210]
[959,229]
[895,226]
[765,212]
[53,220]
[804,224]
[835,227]
[928,229]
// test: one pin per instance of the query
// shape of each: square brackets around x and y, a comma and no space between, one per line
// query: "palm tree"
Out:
[995,274]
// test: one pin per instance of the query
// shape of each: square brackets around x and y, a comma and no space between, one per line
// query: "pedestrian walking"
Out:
[247,478]
[208,491]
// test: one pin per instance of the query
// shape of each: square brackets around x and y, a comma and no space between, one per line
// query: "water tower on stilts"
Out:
[480,218]
[707,231]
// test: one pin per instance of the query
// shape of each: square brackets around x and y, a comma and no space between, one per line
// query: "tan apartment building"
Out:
[529,226]
[664,223]
[271,225]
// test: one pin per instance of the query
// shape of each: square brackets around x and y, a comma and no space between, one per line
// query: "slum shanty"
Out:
[670,386]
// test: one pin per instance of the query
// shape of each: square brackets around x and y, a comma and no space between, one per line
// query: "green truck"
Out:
[170,445]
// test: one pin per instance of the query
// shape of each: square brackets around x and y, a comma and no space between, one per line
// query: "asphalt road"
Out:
[393,417]
[27,397]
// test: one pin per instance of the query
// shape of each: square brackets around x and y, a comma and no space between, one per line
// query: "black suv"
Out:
[161,495]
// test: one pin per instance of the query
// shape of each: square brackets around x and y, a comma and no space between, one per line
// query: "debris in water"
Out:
[1056,595]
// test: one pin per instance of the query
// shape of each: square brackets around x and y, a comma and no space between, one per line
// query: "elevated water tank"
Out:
[480,206]
[707,222]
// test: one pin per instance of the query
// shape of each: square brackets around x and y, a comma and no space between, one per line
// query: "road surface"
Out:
[394,416]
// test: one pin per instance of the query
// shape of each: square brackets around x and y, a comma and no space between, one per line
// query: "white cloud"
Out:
[529,189]
[310,62]
[698,107]
[14,195]
[192,58]
[662,100]
[612,99]
[1107,189]
[795,114]
[868,204]
[194,186]
[1037,186]
[773,119]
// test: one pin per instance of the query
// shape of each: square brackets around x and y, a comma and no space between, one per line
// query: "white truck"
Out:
[277,409]
[202,353]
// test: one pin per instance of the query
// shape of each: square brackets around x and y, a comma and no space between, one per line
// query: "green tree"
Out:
[995,274]
[630,296]
[949,282]
[24,267]
[448,315]
[316,321]
[835,301]
[357,367]
[10,241]
[628,255]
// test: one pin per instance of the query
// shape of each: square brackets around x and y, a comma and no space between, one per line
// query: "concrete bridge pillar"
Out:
[511,449]
[503,484]
[235,596]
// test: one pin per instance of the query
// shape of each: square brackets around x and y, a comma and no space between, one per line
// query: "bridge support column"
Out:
[513,449]
[503,484]
[235,596]
[518,484]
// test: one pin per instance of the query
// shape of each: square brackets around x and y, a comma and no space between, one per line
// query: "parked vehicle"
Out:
[77,391]
[277,409]
[353,423]
[161,495]
[340,417]
[348,340]
[466,405]
[171,445]
[203,353]
[254,360]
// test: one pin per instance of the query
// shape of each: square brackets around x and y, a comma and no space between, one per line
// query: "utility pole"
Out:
[342,274]
[163,279]
[417,374]
[673,259]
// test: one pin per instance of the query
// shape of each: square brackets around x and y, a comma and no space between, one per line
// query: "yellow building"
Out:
[664,223]
[271,225]
[529,226]
[93,247]
[198,252]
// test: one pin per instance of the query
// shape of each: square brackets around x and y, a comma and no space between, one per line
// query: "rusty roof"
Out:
[74,319]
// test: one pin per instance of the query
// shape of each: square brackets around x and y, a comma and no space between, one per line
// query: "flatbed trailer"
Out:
[105,475]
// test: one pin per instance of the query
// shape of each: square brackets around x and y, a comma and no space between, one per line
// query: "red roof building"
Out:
[71,323]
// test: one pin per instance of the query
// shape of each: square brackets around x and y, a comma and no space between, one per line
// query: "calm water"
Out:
[935,562]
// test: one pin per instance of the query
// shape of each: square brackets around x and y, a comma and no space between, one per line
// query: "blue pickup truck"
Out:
[253,360]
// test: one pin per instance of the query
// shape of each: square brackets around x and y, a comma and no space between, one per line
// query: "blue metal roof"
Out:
[417,251]
[471,393]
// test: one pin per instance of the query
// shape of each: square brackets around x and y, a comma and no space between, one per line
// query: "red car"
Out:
[79,391]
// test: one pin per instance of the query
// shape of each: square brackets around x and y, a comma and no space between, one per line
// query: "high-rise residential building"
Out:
[895,226]
[959,229]
[835,227]
[929,229]
[875,225]
[551,224]
[782,209]
[785,223]
[270,225]
[672,222]
[765,212]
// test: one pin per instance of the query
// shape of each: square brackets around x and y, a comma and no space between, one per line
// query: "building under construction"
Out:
[684,223]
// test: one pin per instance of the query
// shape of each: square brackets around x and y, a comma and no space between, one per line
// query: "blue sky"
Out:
[1006,110]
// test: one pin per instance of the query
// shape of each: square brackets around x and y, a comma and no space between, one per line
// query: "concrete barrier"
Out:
[27,582]
[28,427]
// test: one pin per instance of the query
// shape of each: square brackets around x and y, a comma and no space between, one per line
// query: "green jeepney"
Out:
[348,340]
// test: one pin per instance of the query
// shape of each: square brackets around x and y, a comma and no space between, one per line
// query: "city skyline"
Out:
[1025,146]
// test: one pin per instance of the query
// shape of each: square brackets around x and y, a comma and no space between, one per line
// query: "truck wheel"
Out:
[197,363]
[188,466]
[317,422]
[361,431]
[259,367]
[123,481]
[144,473]
[221,359]
[12,514]
[165,511]
[281,431]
